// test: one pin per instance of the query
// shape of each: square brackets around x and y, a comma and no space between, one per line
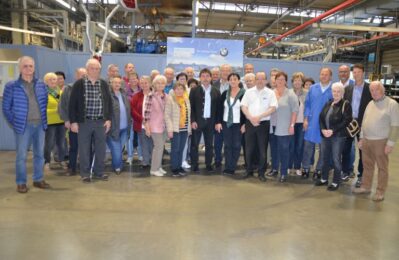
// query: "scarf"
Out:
[230,113]
[181,101]
[53,92]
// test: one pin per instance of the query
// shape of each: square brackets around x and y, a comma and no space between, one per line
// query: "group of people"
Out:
[220,109]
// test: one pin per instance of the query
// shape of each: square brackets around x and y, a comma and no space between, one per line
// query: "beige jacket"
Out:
[172,114]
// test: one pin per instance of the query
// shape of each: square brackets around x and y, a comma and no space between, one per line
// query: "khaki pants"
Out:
[374,152]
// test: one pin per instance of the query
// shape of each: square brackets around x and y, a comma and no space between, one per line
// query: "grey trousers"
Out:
[157,151]
[92,131]
[146,147]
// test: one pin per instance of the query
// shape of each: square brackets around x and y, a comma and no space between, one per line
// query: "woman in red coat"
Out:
[137,106]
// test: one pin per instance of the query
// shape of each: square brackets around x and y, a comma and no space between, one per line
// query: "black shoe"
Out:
[218,165]
[210,169]
[144,167]
[86,179]
[358,182]
[305,174]
[182,172]
[345,176]
[262,177]
[283,179]
[272,173]
[316,175]
[333,187]
[176,174]
[320,182]
[103,177]
[227,173]
[194,169]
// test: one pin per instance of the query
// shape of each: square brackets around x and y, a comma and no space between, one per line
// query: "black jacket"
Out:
[339,119]
[197,101]
[364,100]
[77,108]
[220,110]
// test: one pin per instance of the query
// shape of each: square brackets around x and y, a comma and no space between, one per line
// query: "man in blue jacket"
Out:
[319,94]
[24,106]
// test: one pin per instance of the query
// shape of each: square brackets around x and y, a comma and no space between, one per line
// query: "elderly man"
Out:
[90,113]
[249,80]
[248,68]
[190,72]
[319,94]
[169,73]
[257,105]
[358,94]
[380,129]
[215,71]
[112,71]
[24,107]
[63,110]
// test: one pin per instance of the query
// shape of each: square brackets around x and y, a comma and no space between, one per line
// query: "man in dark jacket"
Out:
[359,96]
[90,113]
[24,106]
[204,100]
[63,110]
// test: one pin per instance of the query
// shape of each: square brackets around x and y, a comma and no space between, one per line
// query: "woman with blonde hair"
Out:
[55,133]
[154,123]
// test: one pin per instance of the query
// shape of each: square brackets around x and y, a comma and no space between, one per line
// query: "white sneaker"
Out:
[156,173]
[185,165]
[162,171]
[46,166]
[140,158]
[298,172]
[129,160]
[64,165]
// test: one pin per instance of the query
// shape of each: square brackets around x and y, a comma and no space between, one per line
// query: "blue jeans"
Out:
[308,154]
[273,149]
[232,146]
[296,147]
[147,147]
[218,144]
[283,148]
[34,135]
[116,146]
[332,147]
[178,142]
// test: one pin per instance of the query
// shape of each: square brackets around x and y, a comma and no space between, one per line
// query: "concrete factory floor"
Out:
[197,217]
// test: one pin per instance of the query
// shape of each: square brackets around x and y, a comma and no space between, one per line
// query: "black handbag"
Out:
[353,128]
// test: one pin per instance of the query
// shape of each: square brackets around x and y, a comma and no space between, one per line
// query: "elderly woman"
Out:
[178,125]
[296,144]
[120,124]
[283,131]
[334,118]
[380,129]
[154,123]
[137,106]
[132,89]
[55,133]
[231,121]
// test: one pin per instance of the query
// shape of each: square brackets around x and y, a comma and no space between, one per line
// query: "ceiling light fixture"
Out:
[109,30]
[65,4]
[6,28]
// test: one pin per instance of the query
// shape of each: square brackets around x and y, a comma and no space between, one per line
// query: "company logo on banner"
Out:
[204,53]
